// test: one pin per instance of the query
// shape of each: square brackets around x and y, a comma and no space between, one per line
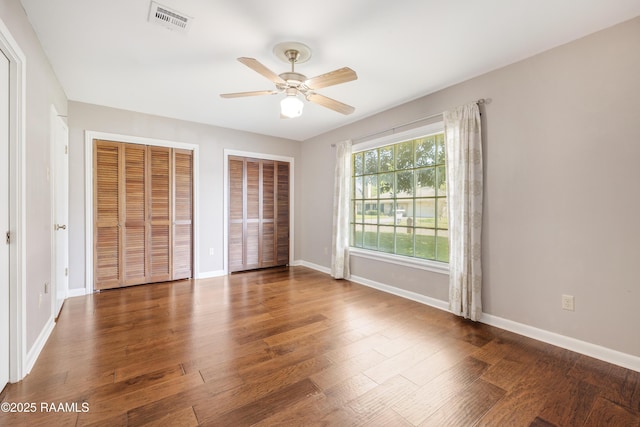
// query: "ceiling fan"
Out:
[293,83]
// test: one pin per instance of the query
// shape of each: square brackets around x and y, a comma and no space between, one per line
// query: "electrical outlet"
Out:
[568,303]
[211,251]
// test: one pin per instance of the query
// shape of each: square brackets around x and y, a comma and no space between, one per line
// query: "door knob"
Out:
[60,227]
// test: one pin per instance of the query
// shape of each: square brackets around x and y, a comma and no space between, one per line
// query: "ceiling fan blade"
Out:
[331,78]
[330,103]
[254,93]
[261,69]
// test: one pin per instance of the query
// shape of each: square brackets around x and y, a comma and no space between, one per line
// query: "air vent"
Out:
[169,18]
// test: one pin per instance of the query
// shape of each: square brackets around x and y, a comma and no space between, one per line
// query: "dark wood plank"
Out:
[607,413]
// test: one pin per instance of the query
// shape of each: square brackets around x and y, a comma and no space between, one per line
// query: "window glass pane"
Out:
[371,161]
[404,211]
[370,186]
[440,148]
[441,183]
[425,243]
[387,213]
[371,212]
[442,248]
[404,242]
[385,185]
[425,182]
[426,213]
[443,215]
[386,158]
[359,212]
[404,184]
[358,164]
[385,238]
[370,237]
[404,155]
[426,151]
[357,235]
[357,188]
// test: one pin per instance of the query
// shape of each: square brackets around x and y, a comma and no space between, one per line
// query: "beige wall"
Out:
[43,90]
[212,142]
[562,204]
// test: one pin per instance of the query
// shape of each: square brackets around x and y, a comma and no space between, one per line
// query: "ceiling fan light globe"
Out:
[291,106]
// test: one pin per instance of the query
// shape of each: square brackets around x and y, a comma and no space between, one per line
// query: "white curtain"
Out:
[341,199]
[463,146]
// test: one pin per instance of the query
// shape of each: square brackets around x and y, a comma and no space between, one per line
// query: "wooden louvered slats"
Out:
[135,201]
[268,213]
[107,252]
[282,213]
[134,207]
[183,214]
[236,214]
[160,214]
[254,239]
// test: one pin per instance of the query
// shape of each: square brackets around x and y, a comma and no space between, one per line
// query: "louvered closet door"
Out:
[258,213]
[143,214]
[183,215]
[236,214]
[282,213]
[159,237]
[134,214]
[267,221]
[107,254]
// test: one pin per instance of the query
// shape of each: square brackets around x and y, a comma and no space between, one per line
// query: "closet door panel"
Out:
[134,208]
[159,171]
[268,214]
[236,245]
[236,214]
[107,234]
[252,218]
[282,214]
[183,214]
[258,213]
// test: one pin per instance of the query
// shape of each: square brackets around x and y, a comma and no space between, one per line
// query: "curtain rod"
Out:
[393,129]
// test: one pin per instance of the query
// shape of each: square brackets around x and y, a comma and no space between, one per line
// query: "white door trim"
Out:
[17,208]
[290,160]
[89,136]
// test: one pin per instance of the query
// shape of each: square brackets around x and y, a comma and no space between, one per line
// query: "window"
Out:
[398,201]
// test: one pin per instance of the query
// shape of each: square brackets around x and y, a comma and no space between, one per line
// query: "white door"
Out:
[60,147]
[4,220]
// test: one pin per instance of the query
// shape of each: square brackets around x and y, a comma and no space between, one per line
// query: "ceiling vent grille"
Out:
[169,18]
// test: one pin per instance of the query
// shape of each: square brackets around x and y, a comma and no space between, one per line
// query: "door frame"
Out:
[89,136]
[263,156]
[55,120]
[17,204]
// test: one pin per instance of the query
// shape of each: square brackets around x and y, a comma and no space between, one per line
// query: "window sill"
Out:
[422,264]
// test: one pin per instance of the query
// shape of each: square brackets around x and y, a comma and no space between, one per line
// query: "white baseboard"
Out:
[315,267]
[210,274]
[76,292]
[588,349]
[296,263]
[34,352]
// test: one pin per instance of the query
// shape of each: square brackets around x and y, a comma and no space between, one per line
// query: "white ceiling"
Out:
[105,52]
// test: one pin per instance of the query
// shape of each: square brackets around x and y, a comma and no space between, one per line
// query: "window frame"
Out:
[407,261]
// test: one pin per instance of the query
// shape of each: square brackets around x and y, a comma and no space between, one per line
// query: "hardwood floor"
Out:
[294,347]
